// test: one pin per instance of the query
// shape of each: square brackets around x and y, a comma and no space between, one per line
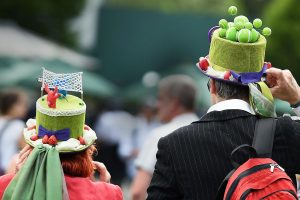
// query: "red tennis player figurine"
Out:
[52,96]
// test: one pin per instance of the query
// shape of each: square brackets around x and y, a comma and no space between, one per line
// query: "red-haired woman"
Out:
[78,171]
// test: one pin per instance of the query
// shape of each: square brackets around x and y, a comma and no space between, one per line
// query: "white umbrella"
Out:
[16,42]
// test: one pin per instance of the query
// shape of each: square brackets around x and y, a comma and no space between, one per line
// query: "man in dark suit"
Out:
[193,160]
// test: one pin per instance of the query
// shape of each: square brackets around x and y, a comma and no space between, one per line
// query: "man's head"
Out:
[221,90]
[176,95]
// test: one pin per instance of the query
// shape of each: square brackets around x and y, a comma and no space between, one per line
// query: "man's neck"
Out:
[219,99]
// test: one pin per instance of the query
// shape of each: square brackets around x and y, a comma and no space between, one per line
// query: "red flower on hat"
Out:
[52,140]
[203,64]
[45,139]
[34,137]
[81,140]
[227,75]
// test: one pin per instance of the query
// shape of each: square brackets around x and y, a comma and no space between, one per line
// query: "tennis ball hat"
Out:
[237,50]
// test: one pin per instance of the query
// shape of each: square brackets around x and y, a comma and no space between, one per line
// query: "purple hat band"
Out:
[249,77]
[63,134]
[241,78]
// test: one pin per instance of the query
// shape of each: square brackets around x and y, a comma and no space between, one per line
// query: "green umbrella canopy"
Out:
[138,92]
[26,74]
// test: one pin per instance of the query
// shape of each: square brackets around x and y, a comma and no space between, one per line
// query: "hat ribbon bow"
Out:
[63,134]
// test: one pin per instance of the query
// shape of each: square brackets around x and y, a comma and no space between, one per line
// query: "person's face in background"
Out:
[149,112]
[20,108]
[165,106]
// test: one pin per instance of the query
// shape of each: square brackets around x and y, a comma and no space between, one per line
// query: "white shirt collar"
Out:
[231,104]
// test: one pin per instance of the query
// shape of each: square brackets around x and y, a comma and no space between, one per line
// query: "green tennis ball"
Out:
[266,31]
[254,35]
[248,25]
[222,33]
[241,18]
[230,24]
[239,25]
[245,19]
[244,35]
[257,23]
[223,23]
[231,34]
[232,10]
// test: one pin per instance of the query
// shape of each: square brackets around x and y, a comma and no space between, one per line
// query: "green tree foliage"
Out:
[254,8]
[195,6]
[47,17]
[283,48]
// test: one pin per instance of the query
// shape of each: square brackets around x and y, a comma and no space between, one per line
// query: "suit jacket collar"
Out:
[223,115]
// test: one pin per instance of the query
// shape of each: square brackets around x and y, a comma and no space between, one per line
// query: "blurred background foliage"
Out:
[49,18]
[178,6]
[283,48]
[133,37]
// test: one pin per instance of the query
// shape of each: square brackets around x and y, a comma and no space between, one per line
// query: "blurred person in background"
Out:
[175,107]
[145,122]
[13,108]
[112,126]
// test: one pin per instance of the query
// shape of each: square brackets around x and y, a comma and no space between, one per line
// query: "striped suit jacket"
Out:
[193,160]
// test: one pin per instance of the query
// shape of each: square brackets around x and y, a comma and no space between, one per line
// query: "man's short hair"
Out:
[227,90]
[181,87]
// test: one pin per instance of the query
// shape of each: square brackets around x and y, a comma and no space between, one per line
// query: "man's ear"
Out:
[213,89]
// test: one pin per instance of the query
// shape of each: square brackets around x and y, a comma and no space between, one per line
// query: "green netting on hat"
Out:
[240,57]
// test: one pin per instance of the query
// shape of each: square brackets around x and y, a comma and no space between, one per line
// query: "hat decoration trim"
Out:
[69,145]
[224,74]
[63,134]
[249,77]
[41,177]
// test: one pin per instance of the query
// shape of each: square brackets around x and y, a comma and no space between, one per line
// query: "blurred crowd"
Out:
[127,140]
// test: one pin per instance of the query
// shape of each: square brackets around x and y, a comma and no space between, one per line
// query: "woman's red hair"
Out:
[78,164]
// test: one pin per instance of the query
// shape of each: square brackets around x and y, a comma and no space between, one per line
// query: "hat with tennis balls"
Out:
[236,55]
[237,50]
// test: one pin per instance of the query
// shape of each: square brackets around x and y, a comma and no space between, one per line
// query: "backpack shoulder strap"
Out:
[262,144]
[264,136]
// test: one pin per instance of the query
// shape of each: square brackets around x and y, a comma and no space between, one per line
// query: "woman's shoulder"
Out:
[4,181]
[117,192]
[98,189]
